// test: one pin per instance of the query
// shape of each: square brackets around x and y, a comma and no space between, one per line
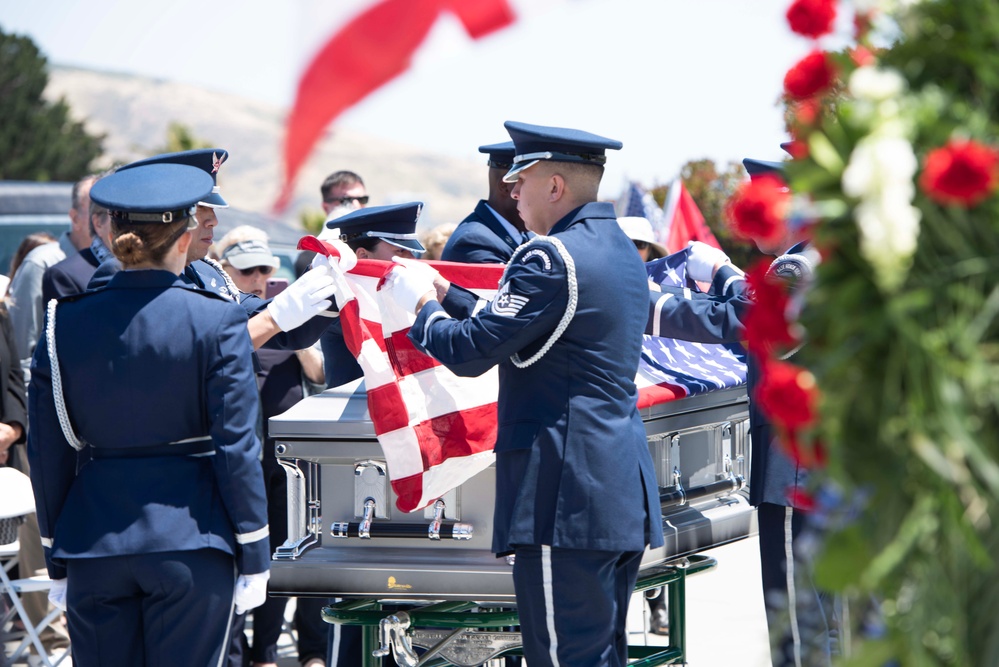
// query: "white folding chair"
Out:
[16,502]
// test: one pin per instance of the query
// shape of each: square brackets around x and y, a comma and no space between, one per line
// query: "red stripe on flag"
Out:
[659,393]
[405,358]
[353,327]
[471,276]
[408,491]
[455,434]
[387,408]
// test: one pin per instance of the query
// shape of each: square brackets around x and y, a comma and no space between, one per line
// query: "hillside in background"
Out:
[134,112]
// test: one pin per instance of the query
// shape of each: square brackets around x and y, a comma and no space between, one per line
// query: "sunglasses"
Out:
[265,270]
[641,245]
[363,200]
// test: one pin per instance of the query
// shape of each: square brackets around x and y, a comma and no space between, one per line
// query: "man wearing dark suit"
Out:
[71,275]
[491,233]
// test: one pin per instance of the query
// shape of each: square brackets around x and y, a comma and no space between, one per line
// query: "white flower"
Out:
[878,163]
[880,173]
[875,84]
[889,230]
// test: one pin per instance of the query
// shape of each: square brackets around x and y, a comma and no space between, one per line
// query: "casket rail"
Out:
[347,539]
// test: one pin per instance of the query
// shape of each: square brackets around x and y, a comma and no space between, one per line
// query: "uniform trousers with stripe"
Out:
[802,620]
[150,610]
[573,605]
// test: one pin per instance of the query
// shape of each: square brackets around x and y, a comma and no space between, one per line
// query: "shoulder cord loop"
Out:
[60,400]
[229,284]
[570,308]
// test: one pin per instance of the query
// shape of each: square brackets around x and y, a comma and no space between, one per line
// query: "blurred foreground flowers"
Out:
[895,172]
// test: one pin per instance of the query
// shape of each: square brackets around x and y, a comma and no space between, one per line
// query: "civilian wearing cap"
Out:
[375,232]
[170,507]
[639,230]
[249,263]
[576,493]
[491,232]
[292,320]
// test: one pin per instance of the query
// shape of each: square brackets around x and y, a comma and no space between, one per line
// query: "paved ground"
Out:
[725,619]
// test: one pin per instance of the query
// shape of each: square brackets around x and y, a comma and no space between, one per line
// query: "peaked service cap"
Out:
[534,143]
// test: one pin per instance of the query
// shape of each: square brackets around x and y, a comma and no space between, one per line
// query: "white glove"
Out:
[410,281]
[251,591]
[306,297]
[347,261]
[57,594]
[701,261]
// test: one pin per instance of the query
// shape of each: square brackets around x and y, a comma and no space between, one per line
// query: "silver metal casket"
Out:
[347,539]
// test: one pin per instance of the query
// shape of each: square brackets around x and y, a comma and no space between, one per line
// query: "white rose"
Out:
[876,84]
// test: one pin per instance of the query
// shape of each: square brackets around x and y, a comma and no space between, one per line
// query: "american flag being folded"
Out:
[436,429]
[671,368]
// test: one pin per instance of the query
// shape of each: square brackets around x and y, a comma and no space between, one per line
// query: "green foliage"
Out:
[312,221]
[910,375]
[181,138]
[38,140]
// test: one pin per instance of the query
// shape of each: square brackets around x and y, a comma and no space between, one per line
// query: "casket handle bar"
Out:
[304,516]
[677,496]
[367,528]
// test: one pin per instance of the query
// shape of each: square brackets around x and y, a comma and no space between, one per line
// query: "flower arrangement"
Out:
[894,396]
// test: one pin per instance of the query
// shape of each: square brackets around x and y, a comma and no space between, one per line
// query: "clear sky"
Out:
[674,80]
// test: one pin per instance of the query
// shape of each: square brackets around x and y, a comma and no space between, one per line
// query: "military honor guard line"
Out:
[160,500]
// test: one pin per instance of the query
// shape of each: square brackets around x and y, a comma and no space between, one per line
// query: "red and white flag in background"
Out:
[366,44]
[684,221]
[436,429]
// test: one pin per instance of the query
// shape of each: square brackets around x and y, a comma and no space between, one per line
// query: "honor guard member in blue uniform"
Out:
[576,495]
[717,316]
[293,320]
[801,618]
[375,232]
[491,232]
[143,448]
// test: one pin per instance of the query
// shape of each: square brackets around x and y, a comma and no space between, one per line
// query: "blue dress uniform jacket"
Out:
[70,276]
[716,317]
[572,465]
[145,362]
[480,239]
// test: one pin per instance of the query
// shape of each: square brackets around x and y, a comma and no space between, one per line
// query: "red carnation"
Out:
[811,75]
[962,173]
[811,18]
[801,499]
[767,327]
[796,148]
[862,56]
[758,208]
[788,395]
[806,112]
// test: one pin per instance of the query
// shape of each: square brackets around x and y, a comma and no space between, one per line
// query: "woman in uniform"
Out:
[144,458]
